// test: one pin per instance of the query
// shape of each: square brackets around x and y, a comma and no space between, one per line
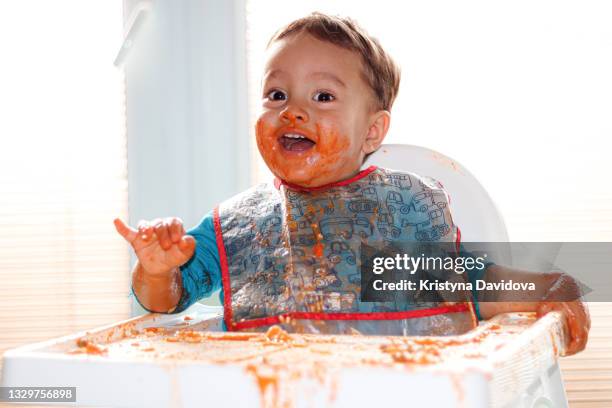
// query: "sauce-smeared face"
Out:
[315,112]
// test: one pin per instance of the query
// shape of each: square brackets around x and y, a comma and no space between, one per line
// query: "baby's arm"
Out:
[161,247]
[550,288]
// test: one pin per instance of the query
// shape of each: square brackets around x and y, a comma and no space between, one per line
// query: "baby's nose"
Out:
[293,115]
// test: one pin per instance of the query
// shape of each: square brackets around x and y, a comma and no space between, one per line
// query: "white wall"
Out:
[186,109]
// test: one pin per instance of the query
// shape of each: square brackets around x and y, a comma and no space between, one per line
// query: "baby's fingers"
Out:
[187,245]
[180,253]
[578,324]
[176,230]
[145,230]
[163,235]
[542,310]
[127,232]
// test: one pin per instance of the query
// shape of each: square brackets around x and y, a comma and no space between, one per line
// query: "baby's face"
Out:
[316,112]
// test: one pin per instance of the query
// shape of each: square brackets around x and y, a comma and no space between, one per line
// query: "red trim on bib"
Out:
[409,314]
[225,279]
[363,173]
[458,240]
[472,306]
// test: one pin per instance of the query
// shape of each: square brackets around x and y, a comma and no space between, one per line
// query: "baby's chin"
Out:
[300,179]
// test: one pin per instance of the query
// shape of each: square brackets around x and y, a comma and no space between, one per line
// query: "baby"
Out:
[288,253]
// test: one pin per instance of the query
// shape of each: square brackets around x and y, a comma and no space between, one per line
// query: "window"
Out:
[63,167]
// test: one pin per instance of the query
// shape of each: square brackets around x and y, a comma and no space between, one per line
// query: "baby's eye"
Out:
[324,97]
[276,95]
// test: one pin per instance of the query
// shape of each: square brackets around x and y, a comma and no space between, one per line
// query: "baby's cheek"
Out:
[264,135]
[270,152]
[336,152]
[279,167]
[262,129]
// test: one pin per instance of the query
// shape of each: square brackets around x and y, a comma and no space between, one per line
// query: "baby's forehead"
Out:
[322,74]
[307,56]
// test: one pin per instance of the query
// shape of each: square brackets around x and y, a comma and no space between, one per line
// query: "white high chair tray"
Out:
[176,360]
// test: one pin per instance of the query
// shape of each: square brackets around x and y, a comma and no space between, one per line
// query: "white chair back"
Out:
[473,210]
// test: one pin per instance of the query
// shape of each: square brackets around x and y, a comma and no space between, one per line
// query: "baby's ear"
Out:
[379,125]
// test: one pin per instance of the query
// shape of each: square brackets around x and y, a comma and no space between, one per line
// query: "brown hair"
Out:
[379,70]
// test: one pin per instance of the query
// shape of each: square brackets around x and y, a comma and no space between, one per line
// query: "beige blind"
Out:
[588,375]
[525,110]
[62,170]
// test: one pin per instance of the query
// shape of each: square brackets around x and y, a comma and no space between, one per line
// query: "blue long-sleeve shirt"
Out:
[202,273]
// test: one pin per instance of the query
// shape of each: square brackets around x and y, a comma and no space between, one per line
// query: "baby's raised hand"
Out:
[161,245]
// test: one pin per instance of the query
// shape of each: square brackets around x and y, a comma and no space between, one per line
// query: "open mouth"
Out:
[295,142]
